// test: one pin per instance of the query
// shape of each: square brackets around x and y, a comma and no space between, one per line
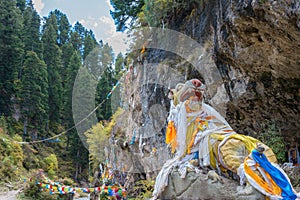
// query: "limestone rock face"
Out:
[260,40]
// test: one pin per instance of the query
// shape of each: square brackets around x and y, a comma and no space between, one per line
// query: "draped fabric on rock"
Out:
[197,132]
[274,180]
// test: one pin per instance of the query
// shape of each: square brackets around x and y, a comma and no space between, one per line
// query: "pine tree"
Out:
[52,56]
[93,62]
[107,55]
[11,53]
[79,154]
[83,97]
[104,86]
[63,27]
[31,32]
[34,92]
[125,13]
[51,20]
[105,83]
[89,43]
[77,37]
[67,50]
[80,29]
[21,4]
[72,70]
[119,66]
[75,40]
[116,100]
[40,81]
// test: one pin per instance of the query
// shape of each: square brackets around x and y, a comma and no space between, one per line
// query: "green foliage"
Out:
[11,48]
[143,189]
[21,5]
[79,156]
[63,27]
[14,126]
[11,155]
[3,125]
[51,165]
[157,10]
[52,57]
[31,31]
[98,139]
[89,43]
[67,181]
[119,66]
[106,82]
[34,92]
[38,66]
[272,137]
[31,158]
[160,12]
[74,147]
[262,1]
[77,37]
[125,13]
[71,72]
[116,99]
[33,191]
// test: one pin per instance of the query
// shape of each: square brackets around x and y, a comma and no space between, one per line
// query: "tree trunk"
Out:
[77,165]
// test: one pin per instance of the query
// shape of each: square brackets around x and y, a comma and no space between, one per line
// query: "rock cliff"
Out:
[255,47]
[251,70]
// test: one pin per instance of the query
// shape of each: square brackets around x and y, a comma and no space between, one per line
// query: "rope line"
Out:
[77,124]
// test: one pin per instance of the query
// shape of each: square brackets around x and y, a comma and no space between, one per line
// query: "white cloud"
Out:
[106,20]
[102,26]
[104,29]
[109,5]
[118,42]
[115,39]
[109,24]
[38,5]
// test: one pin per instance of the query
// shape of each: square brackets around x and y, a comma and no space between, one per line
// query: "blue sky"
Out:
[92,14]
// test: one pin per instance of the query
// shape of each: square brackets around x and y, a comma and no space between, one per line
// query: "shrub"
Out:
[273,138]
[33,191]
[11,156]
[144,188]
[160,12]
[98,138]
[51,165]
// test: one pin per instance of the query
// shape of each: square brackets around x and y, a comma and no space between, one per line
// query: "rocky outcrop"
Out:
[255,46]
[196,186]
[138,136]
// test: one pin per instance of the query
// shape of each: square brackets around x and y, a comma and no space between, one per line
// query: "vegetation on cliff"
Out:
[39,61]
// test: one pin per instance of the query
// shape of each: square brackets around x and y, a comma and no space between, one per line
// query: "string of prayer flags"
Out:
[108,190]
[113,88]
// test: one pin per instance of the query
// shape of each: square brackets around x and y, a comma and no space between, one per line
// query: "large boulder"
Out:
[197,186]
